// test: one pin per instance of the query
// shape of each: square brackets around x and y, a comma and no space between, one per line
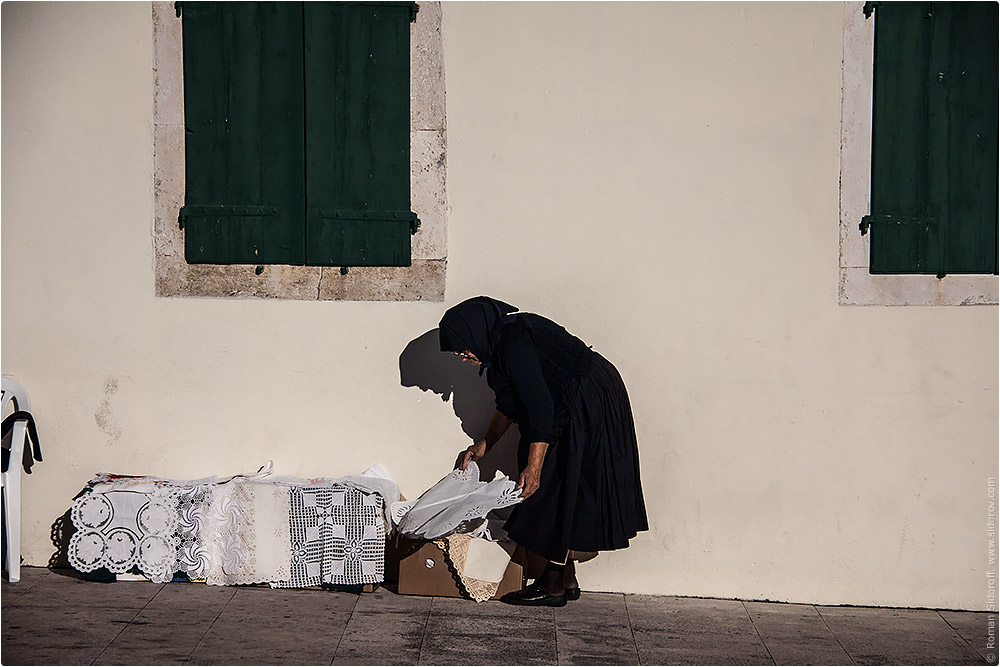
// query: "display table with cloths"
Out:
[247,529]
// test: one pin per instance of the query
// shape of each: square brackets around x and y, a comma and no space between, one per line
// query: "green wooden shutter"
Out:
[243,107]
[934,139]
[357,128]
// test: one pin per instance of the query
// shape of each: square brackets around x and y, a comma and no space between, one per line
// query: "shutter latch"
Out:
[414,225]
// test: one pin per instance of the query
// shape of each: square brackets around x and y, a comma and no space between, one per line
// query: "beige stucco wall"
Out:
[662,179]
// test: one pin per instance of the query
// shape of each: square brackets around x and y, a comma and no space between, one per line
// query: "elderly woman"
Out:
[578,457]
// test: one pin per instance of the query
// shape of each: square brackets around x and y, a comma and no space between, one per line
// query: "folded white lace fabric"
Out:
[243,529]
[459,498]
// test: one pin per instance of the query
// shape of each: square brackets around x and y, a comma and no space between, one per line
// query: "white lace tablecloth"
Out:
[337,537]
[240,530]
[120,530]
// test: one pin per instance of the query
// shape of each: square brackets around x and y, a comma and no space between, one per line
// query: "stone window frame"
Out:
[424,280]
[858,287]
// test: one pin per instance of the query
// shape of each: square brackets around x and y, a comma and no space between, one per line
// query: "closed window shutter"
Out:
[243,107]
[357,129]
[934,139]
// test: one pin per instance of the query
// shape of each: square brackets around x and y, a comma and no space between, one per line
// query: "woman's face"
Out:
[468,356]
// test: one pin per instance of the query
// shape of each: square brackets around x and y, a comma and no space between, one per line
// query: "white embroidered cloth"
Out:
[120,530]
[236,530]
[247,534]
[455,500]
[487,561]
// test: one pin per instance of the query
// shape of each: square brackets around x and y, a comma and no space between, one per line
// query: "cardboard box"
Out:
[423,571]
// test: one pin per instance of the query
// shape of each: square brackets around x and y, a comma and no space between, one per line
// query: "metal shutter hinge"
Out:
[872,4]
[868,220]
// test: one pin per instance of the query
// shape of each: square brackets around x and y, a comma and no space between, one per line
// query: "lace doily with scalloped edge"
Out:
[120,530]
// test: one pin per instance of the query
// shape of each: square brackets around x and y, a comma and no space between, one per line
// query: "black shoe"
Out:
[573,593]
[535,596]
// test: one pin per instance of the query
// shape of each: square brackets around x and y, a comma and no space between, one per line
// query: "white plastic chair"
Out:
[13,391]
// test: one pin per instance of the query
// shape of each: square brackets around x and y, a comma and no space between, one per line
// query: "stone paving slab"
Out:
[167,630]
[691,631]
[261,626]
[595,630]
[874,636]
[795,634]
[978,629]
[463,632]
[385,629]
[54,635]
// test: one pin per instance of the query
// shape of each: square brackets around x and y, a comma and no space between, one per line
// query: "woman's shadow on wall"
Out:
[422,364]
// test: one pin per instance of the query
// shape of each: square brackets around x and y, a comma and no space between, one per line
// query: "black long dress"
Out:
[558,390]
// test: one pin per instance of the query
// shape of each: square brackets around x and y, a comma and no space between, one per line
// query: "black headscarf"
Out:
[474,325]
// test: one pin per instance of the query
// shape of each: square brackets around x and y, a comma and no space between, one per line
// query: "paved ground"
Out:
[52,618]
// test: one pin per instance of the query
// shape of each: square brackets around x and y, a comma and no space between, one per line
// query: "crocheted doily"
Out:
[456,551]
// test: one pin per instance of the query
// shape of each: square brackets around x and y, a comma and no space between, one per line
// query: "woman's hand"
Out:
[498,426]
[473,453]
[531,477]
